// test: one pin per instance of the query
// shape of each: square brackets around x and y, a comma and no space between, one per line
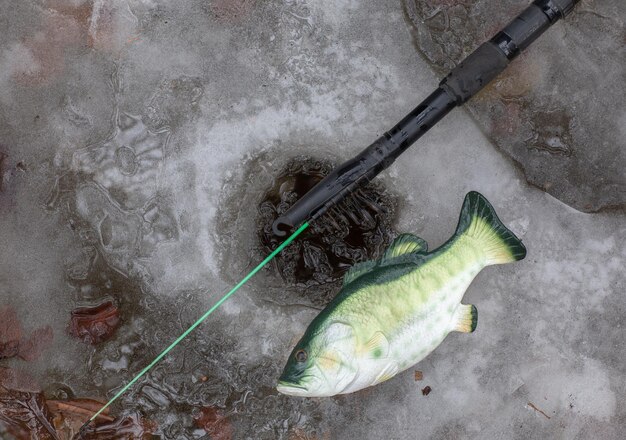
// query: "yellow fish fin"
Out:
[404,244]
[465,318]
[388,372]
[377,347]
[479,221]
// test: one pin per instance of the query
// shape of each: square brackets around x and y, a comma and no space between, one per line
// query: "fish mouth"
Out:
[291,389]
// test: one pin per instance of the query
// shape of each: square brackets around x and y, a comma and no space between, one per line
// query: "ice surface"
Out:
[137,139]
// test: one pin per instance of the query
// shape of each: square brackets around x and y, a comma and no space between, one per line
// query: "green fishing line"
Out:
[202,318]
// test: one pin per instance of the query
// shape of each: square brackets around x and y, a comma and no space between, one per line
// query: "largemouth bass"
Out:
[391,313]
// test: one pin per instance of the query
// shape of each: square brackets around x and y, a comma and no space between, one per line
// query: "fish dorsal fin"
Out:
[358,270]
[403,245]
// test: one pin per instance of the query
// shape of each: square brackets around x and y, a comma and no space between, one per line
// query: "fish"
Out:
[392,312]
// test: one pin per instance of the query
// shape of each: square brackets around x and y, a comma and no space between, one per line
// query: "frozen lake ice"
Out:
[138,138]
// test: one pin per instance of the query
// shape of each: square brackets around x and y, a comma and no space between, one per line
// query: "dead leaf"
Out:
[10,332]
[26,412]
[70,415]
[94,324]
[12,341]
[130,427]
[213,421]
[232,11]
[27,415]
[2,159]
[419,375]
[80,407]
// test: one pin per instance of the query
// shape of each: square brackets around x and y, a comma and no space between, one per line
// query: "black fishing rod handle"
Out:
[492,57]
[475,72]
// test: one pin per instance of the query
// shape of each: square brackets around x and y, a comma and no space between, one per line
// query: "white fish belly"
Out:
[418,334]
[431,322]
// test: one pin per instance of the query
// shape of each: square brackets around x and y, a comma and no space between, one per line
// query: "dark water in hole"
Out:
[356,230]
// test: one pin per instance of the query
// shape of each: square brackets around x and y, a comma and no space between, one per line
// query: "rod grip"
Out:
[564,6]
[475,72]
[492,57]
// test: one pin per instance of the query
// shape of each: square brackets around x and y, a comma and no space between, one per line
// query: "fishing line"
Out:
[200,320]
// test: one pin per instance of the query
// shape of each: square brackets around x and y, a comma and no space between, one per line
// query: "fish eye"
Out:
[301,355]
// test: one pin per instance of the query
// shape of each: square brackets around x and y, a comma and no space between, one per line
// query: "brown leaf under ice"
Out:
[12,340]
[94,324]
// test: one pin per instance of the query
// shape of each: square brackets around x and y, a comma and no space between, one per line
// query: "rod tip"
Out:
[281,226]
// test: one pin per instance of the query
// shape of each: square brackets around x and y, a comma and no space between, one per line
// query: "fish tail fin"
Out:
[479,221]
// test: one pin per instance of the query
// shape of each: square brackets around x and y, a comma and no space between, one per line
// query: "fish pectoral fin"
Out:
[378,346]
[387,373]
[465,318]
[403,245]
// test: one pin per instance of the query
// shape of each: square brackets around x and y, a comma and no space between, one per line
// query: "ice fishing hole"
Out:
[356,230]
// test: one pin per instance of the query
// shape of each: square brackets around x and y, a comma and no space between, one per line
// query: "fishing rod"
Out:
[463,82]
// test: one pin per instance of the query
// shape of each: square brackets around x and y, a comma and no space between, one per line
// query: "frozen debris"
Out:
[70,415]
[94,324]
[532,406]
[426,390]
[301,434]
[160,225]
[418,375]
[118,230]
[174,102]
[129,427]
[27,414]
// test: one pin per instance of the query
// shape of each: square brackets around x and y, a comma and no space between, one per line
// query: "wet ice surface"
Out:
[126,141]
[558,111]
